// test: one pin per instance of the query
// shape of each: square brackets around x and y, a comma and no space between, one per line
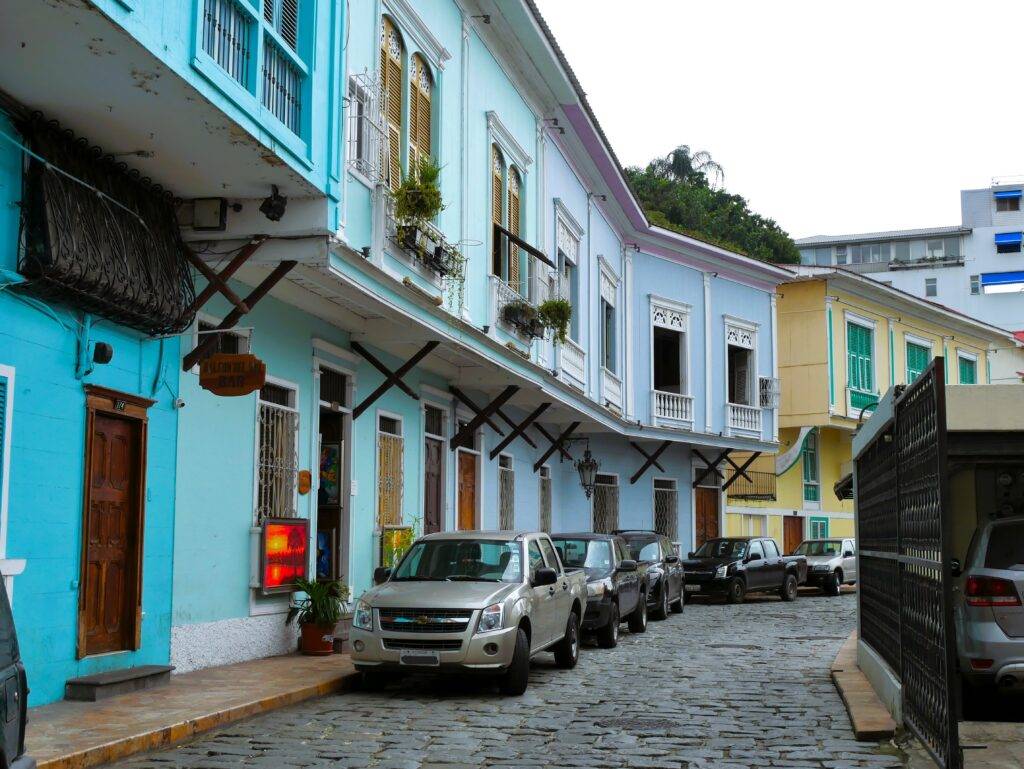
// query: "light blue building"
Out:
[398,377]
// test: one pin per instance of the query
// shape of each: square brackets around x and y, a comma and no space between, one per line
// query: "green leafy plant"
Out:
[418,198]
[322,604]
[556,314]
[524,317]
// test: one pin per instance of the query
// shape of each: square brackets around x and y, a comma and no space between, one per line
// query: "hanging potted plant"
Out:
[417,203]
[556,314]
[523,316]
[318,613]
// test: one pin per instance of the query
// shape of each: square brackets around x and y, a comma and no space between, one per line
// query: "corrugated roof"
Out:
[860,237]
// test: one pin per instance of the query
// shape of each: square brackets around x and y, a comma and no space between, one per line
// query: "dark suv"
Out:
[14,697]
[655,555]
[616,587]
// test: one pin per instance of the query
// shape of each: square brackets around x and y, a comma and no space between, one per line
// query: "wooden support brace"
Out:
[393,378]
[555,444]
[372,359]
[651,459]
[551,439]
[740,470]
[466,401]
[525,436]
[218,281]
[236,314]
[482,416]
[712,467]
[519,428]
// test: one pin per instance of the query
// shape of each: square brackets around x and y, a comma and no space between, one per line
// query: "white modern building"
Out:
[976,268]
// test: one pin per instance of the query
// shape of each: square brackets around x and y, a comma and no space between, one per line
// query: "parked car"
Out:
[656,557]
[735,566]
[15,692]
[616,588]
[987,609]
[831,563]
[473,601]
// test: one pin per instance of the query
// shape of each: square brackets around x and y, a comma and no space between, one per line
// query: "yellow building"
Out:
[844,340]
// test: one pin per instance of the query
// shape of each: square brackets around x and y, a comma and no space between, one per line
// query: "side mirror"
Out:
[848,554]
[955,567]
[753,557]
[544,576]
[671,559]
[381,574]
[691,554]
[627,565]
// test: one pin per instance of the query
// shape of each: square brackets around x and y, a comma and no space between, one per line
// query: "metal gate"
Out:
[905,578]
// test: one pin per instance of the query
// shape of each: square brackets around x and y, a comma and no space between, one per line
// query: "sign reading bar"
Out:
[285,552]
[232,374]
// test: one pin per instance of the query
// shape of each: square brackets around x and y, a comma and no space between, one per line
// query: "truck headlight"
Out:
[362,617]
[599,587]
[491,619]
[721,571]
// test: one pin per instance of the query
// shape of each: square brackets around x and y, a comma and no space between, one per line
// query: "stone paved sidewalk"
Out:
[719,686]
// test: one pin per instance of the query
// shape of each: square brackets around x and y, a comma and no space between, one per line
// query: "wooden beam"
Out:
[482,416]
[505,418]
[561,439]
[561,449]
[651,459]
[395,378]
[740,470]
[466,401]
[235,315]
[712,467]
[519,429]
[372,359]
[219,281]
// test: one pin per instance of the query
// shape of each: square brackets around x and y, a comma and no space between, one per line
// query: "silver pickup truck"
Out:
[472,601]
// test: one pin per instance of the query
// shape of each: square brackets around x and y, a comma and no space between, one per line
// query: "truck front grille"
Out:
[438,644]
[424,620]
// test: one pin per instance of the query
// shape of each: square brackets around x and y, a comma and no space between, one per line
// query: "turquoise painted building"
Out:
[401,360]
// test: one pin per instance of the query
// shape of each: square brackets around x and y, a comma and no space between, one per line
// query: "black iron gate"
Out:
[905,579]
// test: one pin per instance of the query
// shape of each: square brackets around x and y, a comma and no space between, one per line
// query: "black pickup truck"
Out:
[735,566]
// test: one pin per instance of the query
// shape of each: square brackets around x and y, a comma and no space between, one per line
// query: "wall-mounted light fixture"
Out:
[587,467]
[274,204]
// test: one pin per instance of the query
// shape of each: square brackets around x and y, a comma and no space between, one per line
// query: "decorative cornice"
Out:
[513,149]
[570,221]
[412,23]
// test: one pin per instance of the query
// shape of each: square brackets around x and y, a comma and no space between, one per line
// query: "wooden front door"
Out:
[792,533]
[467,490]
[433,475]
[112,535]
[707,514]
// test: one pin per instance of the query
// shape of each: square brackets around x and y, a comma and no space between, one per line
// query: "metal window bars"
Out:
[506,498]
[282,85]
[227,37]
[666,512]
[770,392]
[278,464]
[545,502]
[606,508]
[366,130]
[390,451]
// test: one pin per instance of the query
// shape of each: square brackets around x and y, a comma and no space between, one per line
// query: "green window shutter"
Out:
[860,358]
[819,528]
[968,371]
[917,360]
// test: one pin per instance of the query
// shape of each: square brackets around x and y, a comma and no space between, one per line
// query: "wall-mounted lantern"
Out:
[587,467]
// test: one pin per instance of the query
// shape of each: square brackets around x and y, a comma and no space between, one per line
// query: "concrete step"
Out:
[113,682]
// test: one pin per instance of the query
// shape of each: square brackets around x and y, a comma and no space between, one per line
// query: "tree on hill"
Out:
[683,192]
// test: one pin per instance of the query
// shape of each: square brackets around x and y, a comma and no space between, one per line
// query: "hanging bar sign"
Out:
[231,374]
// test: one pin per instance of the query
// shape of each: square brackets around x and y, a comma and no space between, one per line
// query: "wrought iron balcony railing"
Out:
[761,485]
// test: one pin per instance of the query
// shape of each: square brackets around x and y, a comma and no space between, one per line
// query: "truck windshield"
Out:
[819,548]
[723,548]
[471,560]
[594,556]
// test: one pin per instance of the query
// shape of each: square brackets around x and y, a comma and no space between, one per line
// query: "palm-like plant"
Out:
[684,165]
[321,605]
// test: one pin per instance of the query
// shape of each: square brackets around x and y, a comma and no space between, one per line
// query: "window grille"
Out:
[770,390]
[433,420]
[390,453]
[506,494]
[366,129]
[282,83]
[227,37]
[606,504]
[333,386]
[228,342]
[666,508]
[278,455]
[545,499]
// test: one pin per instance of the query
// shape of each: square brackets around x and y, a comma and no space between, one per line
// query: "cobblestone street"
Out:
[718,686]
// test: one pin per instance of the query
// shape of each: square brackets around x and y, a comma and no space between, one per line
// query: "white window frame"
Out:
[968,356]
[377,432]
[213,320]
[974,284]
[8,372]
[920,341]
[545,474]
[511,467]
[674,316]
[654,491]
[462,415]
[446,409]
[872,326]
[293,407]
[742,333]
[363,85]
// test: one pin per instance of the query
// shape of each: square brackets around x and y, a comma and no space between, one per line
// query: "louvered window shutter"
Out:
[513,227]
[419,112]
[391,95]
[283,16]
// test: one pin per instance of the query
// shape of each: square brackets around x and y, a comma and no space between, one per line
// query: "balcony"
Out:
[425,246]
[611,390]
[743,420]
[519,283]
[672,410]
[761,485]
[926,262]
[572,364]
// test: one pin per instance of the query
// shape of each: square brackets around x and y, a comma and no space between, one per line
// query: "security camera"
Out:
[179,403]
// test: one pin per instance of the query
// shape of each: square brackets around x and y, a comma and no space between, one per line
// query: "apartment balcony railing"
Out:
[672,409]
[572,363]
[611,390]
[760,486]
[743,419]
[520,282]
[926,261]
[282,85]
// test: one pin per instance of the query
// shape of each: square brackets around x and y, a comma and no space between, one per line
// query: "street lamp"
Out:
[587,468]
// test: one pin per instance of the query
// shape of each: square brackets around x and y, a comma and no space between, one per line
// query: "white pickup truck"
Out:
[472,601]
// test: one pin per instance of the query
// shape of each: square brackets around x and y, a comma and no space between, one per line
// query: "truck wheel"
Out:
[736,591]
[638,619]
[567,651]
[677,605]
[833,582]
[608,636]
[515,680]
[661,612]
[789,588]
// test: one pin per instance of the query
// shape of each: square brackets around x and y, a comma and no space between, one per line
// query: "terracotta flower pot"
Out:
[317,640]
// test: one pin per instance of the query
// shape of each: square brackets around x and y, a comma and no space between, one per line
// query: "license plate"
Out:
[419,657]
[692,588]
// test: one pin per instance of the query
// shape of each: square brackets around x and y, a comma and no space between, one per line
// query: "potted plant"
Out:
[556,314]
[318,613]
[523,316]
[418,202]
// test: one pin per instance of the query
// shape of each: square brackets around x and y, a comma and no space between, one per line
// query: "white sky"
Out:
[830,117]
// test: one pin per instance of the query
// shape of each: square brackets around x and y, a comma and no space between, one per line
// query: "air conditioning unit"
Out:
[769,390]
